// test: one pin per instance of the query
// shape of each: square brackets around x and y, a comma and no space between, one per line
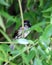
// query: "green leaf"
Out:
[14,52]
[5,35]
[45,38]
[44,41]
[37,26]
[3,54]
[28,2]
[31,42]
[41,3]
[0,62]
[11,21]
[37,61]
[46,16]
[11,63]
[38,29]
[4,46]
[51,18]
[2,2]
[2,24]
[7,16]
[2,57]
[31,55]
[48,31]
[42,52]
[48,10]
[25,59]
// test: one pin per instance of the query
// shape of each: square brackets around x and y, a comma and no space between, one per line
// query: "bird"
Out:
[18,33]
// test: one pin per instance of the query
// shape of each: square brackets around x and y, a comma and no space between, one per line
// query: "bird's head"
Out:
[27,22]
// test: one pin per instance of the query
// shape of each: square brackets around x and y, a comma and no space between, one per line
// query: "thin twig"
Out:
[8,42]
[21,12]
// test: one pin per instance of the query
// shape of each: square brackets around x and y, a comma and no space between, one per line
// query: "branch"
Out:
[21,12]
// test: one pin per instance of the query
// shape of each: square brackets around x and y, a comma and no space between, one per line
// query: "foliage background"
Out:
[38,51]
